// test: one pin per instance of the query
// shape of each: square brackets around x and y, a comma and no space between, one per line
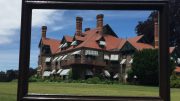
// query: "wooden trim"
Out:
[24,57]
[164,86]
[87,98]
[28,5]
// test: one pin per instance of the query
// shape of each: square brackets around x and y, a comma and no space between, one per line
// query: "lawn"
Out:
[8,90]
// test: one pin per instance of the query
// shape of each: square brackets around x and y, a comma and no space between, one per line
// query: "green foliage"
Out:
[145,67]
[35,78]
[175,81]
[146,28]
[94,80]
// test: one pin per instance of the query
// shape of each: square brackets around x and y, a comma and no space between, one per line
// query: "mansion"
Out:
[92,52]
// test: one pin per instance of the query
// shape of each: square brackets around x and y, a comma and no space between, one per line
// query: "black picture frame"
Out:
[25,41]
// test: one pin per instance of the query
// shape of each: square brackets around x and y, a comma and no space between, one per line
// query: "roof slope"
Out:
[93,36]
[138,45]
[68,38]
[52,43]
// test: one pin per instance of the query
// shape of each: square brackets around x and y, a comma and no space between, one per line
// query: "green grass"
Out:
[8,90]
[92,89]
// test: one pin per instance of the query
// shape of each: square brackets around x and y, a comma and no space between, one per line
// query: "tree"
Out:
[145,67]
[146,27]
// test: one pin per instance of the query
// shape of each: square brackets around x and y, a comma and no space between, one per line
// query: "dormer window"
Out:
[61,45]
[64,45]
[74,43]
[102,43]
[178,60]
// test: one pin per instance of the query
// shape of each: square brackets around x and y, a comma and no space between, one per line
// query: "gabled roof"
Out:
[139,45]
[52,43]
[136,38]
[93,35]
[112,42]
[122,43]
[68,38]
[108,30]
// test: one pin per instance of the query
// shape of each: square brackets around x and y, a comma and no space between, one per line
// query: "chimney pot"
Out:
[79,25]
[44,29]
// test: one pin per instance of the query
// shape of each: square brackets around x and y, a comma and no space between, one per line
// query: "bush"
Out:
[174,81]
[94,80]
[33,79]
[109,82]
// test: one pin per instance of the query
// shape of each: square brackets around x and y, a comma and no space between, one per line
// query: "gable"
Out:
[127,47]
[108,30]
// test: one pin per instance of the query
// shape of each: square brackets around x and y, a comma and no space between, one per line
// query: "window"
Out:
[74,43]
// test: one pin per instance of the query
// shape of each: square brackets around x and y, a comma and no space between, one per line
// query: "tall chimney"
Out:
[79,26]
[156,32]
[44,29]
[99,18]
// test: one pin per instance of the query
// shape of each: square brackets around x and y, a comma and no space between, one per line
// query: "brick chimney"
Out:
[156,32]
[79,26]
[99,18]
[44,29]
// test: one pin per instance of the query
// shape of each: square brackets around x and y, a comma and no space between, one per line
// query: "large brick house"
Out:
[91,52]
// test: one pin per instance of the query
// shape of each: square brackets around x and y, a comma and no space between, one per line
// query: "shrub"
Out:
[108,82]
[94,80]
[33,79]
[174,81]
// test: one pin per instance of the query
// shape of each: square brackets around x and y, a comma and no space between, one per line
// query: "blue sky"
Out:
[59,23]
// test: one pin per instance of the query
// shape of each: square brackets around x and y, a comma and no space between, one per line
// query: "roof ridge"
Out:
[86,40]
[51,39]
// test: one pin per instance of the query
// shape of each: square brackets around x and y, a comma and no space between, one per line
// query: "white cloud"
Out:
[10,19]
[4,40]
[57,28]
[42,17]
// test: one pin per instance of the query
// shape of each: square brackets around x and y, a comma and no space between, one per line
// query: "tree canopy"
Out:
[146,27]
[145,67]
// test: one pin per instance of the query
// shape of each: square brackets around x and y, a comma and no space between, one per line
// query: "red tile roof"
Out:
[121,44]
[138,45]
[80,38]
[112,42]
[171,49]
[68,38]
[177,70]
[91,37]
[53,43]
[136,38]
